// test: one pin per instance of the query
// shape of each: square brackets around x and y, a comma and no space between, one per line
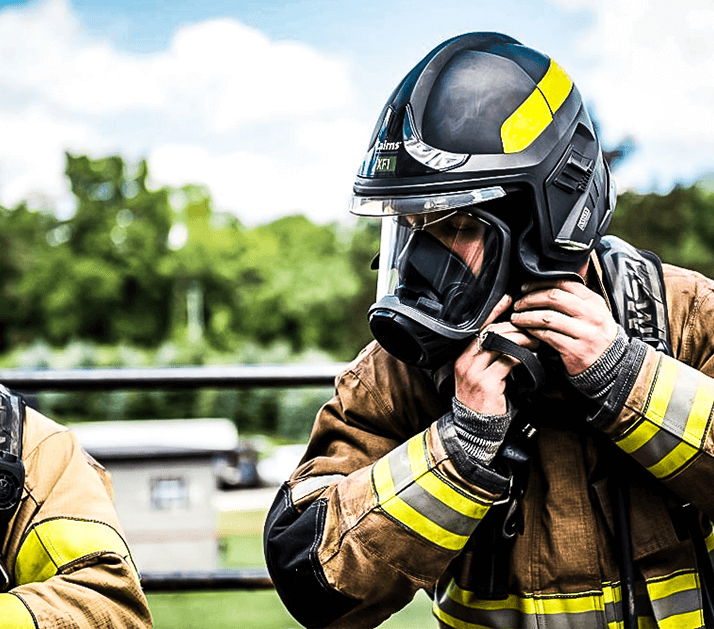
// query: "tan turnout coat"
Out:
[397,513]
[65,549]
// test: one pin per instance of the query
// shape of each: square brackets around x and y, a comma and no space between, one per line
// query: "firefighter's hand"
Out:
[570,318]
[481,374]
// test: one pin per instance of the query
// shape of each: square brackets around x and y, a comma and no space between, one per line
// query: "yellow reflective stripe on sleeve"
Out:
[637,437]
[674,461]
[439,487]
[532,117]
[662,390]
[700,412]
[417,496]
[556,86]
[426,528]
[53,544]
[676,419]
[383,482]
[418,457]
[14,613]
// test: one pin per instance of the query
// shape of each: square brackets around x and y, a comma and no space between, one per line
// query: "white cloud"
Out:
[652,77]
[314,176]
[181,107]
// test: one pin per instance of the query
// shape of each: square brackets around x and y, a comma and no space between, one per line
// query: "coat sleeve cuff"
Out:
[469,469]
[629,369]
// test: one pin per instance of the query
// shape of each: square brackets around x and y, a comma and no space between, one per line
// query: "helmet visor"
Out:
[422,204]
[447,268]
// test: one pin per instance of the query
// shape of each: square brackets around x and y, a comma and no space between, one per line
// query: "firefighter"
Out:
[64,561]
[528,439]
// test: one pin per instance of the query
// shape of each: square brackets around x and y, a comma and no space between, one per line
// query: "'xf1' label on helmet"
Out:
[385,164]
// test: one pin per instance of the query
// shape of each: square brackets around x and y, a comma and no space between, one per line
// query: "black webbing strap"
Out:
[12,471]
[528,359]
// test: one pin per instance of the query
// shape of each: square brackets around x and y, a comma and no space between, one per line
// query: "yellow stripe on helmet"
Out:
[525,124]
[556,86]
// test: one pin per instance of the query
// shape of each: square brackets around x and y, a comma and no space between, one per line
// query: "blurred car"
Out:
[276,468]
[239,469]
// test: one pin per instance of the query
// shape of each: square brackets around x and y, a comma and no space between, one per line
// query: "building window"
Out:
[169,493]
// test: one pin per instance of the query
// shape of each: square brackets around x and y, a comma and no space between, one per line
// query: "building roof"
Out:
[157,438]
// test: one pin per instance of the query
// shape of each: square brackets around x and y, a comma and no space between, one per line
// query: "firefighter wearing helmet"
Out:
[528,437]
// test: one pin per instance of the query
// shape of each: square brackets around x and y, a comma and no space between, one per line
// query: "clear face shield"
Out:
[443,266]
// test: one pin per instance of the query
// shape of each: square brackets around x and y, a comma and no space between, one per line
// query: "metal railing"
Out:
[194,581]
[234,376]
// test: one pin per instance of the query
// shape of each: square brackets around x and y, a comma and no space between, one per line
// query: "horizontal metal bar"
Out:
[194,581]
[233,376]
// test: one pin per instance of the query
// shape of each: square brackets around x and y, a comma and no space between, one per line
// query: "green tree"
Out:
[303,277]
[104,281]
[677,226]
[211,266]
[24,245]
[363,247]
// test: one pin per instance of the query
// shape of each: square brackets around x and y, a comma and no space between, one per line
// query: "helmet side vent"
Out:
[576,173]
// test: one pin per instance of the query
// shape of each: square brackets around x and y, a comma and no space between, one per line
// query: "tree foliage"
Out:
[677,226]
[111,273]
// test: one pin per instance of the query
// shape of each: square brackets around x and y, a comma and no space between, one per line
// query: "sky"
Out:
[270,104]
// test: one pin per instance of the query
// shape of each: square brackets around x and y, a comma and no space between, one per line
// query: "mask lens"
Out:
[445,265]
[464,234]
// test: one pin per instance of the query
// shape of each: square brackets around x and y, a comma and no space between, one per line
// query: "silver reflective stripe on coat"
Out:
[310,485]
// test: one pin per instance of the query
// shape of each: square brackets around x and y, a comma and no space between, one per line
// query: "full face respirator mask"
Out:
[442,270]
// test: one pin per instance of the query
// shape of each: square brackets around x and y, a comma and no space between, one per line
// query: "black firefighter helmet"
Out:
[483,129]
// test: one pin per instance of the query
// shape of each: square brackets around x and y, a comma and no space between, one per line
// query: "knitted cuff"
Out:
[480,435]
[597,380]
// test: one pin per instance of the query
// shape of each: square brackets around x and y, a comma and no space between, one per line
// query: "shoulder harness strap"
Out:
[635,285]
[12,471]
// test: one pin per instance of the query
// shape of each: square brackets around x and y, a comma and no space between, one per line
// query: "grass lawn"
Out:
[241,547]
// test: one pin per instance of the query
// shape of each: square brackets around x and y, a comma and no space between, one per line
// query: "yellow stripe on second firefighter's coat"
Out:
[14,613]
[53,544]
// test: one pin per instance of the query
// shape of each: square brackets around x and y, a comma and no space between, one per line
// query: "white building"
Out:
[165,485]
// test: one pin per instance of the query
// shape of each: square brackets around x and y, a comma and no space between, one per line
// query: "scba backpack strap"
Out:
[12,470]
[635,284]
